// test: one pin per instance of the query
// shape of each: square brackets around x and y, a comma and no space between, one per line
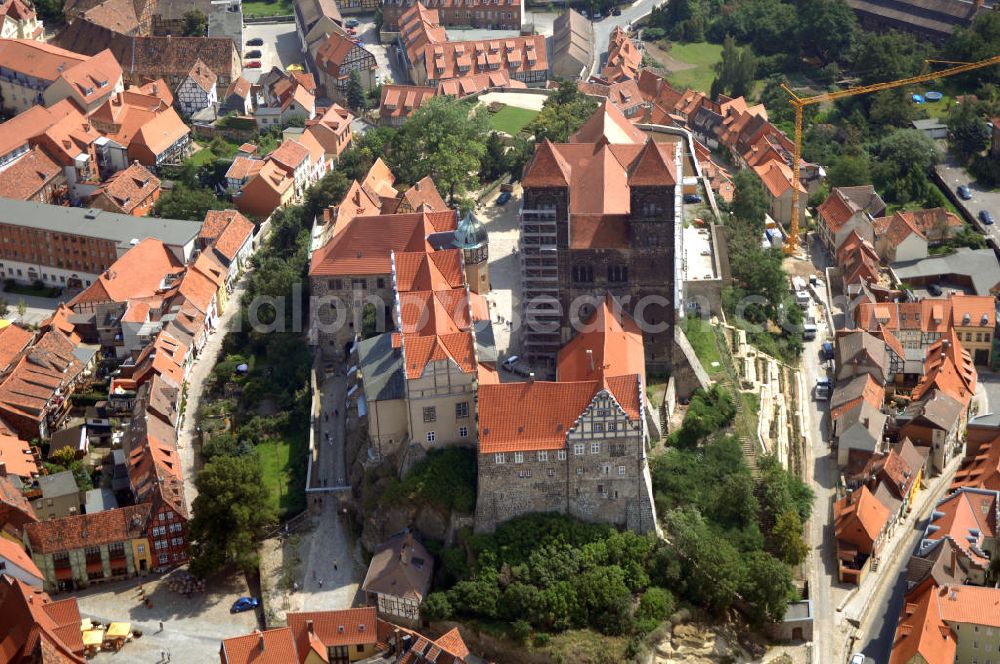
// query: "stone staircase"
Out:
[730,380]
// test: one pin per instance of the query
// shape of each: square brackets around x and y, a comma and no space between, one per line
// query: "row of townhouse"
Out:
[950,610]
[430,57]
[484,14]
[742,131]
[873,401]
[150,312]
[340,637]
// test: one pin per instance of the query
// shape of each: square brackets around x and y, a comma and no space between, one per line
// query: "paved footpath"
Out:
[200,371]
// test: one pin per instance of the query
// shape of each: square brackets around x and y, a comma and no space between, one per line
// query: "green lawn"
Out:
[202,157]
[702,338]
[703,56]
[267,8]
[511,120]
[284,467]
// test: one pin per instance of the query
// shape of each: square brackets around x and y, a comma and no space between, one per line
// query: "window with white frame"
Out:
[578,449]
[463,432]
[430,436]
[518,457]
[621,470]
[595,448]
[543,456]
[598,427]
[499,458]
[561,455]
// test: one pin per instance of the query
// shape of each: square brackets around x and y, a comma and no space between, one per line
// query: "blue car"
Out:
[503,198]
[964,192]
[244,604]
[692,198]
[986,217]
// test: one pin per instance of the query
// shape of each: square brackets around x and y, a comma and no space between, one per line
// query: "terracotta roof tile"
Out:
[83,530]
[347,627]
[27,176]
[16,456]
[859,519]
[272,646]
[365,244]
[129,188]
[15,553]
[428,271]
[921,633]
[970,605]
[37,629]
[202,76]
[13,340]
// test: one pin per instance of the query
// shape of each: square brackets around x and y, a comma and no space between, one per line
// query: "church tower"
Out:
[472,239]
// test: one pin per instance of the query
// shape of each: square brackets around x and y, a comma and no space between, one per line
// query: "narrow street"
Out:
[605,26]
[200,371]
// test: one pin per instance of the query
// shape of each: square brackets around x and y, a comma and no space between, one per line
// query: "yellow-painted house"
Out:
[335,637]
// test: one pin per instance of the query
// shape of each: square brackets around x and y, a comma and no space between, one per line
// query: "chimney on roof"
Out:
[309,626]
[531,376]
[3,469]
[260,636]
[590,358]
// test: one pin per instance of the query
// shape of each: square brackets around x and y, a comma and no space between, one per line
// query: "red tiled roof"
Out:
[37,629]
[970,605]
[13,340]
[967,517]
[202,76]
[273,646]
[28,175]
[949,368]
[981,471]
[347,627]
[428,271]
[921,634]
[859,519]
[82,530]
[15,455]
[138,273]
[516,55]
[15,553]
[365,244]
[129,188]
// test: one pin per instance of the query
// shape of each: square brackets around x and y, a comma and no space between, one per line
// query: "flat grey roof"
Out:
[980,265]
[98,224]
[59,484]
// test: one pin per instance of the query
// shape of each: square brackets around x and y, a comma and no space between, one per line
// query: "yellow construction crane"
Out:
[801,102]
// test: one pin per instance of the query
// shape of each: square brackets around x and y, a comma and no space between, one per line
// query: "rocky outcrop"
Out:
[690,643]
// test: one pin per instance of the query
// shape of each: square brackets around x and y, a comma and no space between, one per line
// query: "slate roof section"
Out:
[400,567]
[381,365]
[98,224]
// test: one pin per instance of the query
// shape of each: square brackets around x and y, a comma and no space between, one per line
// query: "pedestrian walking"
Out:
[163,655]
[314,575]
[334,565]
[168,655]
[161,625]
[336,412]
[321,583]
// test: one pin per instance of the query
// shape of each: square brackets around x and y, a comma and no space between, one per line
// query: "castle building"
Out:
[599,217]
[471,237]
[576,445]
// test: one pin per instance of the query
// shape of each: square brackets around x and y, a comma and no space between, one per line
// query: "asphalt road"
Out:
[822,465]
[954,175]
[605,26]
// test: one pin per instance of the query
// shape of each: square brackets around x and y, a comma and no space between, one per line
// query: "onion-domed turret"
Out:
[470,234]
[471,237]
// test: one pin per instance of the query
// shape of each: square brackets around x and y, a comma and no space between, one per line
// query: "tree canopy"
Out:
[195,24]
[230,512]
[735,72]
[446,139]
[563,112]
[191,203]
